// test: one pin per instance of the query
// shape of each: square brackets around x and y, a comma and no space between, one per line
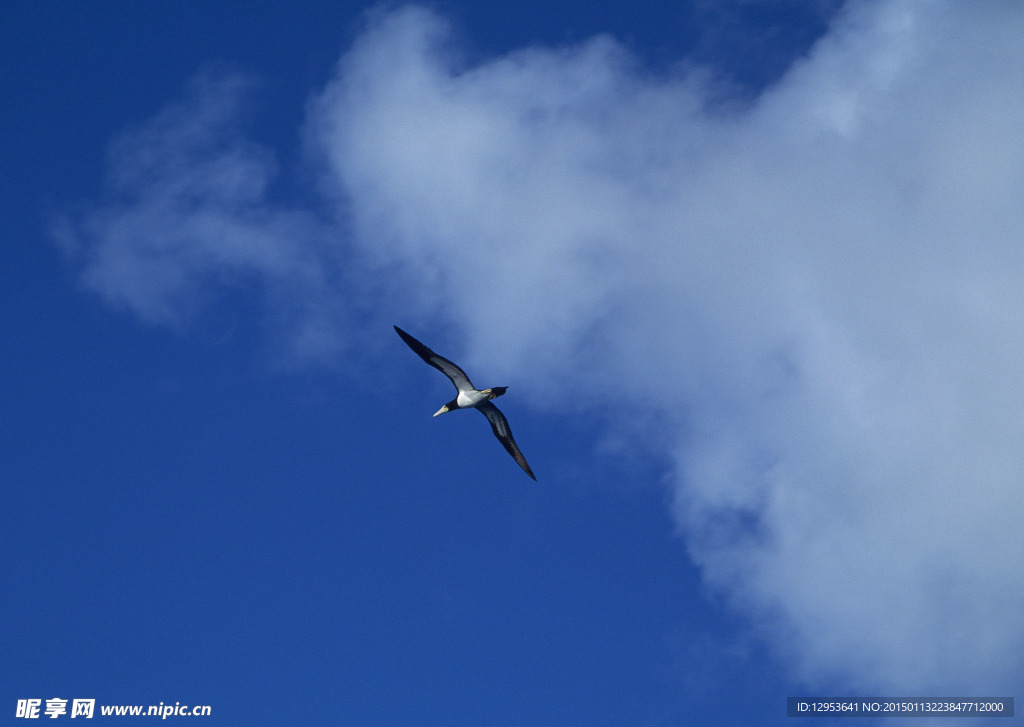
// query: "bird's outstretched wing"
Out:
[499,425]
[453,372]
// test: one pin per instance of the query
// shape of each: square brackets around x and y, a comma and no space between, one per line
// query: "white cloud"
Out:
[188,216]
[821,291]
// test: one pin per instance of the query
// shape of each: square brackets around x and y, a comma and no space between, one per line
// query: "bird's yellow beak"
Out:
[442,410]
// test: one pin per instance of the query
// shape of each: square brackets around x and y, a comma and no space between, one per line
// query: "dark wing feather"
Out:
[499,425]
[446,367]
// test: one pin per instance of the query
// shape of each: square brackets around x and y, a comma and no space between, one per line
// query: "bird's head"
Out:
[450,406]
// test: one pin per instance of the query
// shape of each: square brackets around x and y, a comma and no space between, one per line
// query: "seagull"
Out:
[470,398]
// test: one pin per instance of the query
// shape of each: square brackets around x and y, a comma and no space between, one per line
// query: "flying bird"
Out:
[470,398]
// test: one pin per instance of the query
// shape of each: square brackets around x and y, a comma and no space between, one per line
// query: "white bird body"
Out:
[471,399]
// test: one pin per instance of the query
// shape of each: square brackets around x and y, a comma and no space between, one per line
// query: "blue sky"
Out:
[751,272]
